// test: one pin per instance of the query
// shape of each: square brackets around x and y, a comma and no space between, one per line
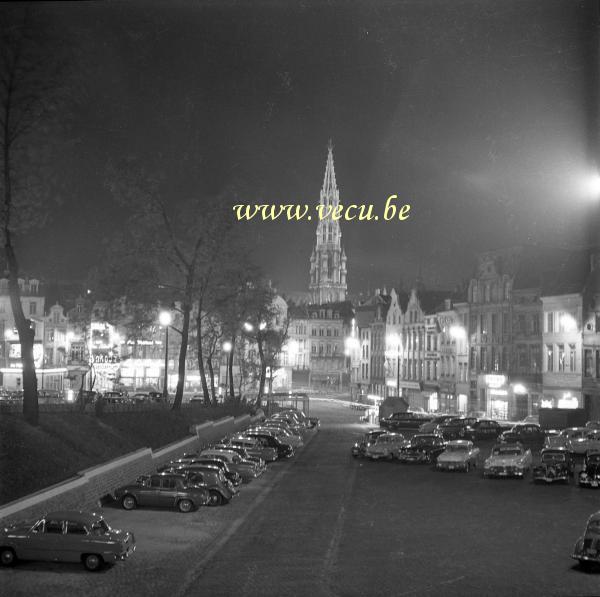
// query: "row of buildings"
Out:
[523,334]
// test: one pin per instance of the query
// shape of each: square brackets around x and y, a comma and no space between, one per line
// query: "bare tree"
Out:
[29,92]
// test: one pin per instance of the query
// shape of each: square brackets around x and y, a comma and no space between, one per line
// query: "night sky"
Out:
[480,114]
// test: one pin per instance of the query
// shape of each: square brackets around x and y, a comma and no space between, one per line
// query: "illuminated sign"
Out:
[498,393]
[495,381]
[14,352]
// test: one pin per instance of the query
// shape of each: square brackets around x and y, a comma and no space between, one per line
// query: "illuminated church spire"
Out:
[328,259]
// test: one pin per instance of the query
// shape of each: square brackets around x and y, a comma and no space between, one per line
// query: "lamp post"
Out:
[227,346]
[165,320]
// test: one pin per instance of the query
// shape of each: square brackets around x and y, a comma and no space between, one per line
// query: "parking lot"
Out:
[325,524]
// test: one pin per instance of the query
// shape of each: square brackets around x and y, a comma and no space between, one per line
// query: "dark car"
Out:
[220,490]
[423,448]
[483,429]
[556,464]
[524,433]
[404,420]
[234,477]
[456,428]
[166,490]
[590,474]
[283,450]
[359,447]
[66,536]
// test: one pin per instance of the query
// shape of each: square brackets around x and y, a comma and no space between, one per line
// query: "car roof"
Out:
[74,515]
[459,442]
[560,449]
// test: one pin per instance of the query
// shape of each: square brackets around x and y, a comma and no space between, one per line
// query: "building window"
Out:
[549,357]
[521,328]
[505,364]
[321,331]
[473,358]
[473,324]
[505,323]
[535,358]
[482,327]
[561,357]
[487,293]
[536,324]
[522,357]
[32,308]
[336,332]
[329,332]
[320,349]
[494,324]
[550,322]
[329,349]
[314,332]
[483,358]
[572,362]
[589,362]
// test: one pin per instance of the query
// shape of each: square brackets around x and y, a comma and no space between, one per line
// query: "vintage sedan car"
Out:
[423,448]
[246,469]
[387,445]
[270,441]
[283,435]
[459,455]
[556,464]
[404,420]
[167,490]
[221,491]
[508,460]
[230,474]
[593,424]
[431,426]
[483,429]
[242,453]
[587,548]
[455,428]
[588,440]
[524,433]
[359,447]
[589,475]
[254,447]
[66,536]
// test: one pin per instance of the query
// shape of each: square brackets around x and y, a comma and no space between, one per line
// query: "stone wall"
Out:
[89,487]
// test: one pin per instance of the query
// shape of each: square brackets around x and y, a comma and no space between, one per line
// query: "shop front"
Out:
[412,392]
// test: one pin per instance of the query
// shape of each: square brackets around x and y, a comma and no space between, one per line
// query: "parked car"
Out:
[556,464]
[508,460]
[66,536]
[387,445]
[284,436]
[359,447]
[593,424]
[459,455]
[531,419]
[587,548]
[246,469]
[456,427]
[524,433]
[588,440]
[268,440]
[483,429]
[244,454]
[423,448]
[165,490]
[431,426]
[589,475]
[254,446]
[404,420]
[230,474]
[220,490]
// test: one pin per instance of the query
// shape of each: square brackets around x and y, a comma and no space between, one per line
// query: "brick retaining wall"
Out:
[84,491]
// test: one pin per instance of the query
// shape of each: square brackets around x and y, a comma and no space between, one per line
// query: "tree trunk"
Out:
[211,372]
[230,369]
[186,307]
[263,372]
[26,337]
[201,356]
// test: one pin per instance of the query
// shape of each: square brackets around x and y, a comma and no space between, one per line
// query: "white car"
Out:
[563,438]
[459,455]
[295,441]
[508,460]
[387,445]
[580,444]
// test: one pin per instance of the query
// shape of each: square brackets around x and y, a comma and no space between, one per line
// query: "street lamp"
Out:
[227,346]
[165,320]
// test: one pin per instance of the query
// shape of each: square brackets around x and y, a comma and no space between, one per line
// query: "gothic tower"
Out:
[328,259]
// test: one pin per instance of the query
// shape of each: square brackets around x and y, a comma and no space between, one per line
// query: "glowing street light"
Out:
[165,320]
[592,185]
[227,347]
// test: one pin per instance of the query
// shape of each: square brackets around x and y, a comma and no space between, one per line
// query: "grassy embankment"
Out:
[64,443]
